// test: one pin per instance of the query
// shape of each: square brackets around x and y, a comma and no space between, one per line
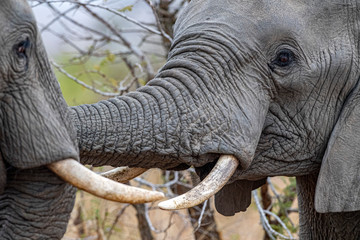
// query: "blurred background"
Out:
[105,48]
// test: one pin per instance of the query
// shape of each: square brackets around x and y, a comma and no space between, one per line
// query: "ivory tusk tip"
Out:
[123,174]
[167,205]
[79,176]
[157,196]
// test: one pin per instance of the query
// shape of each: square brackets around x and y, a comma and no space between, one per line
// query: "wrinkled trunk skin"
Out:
[34,117]
[2,176]
[36,204]
[200,105]
[317,226]
[35,130]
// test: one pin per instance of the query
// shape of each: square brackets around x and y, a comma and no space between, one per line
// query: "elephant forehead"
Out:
[263,18]
[15,12]
[16,22]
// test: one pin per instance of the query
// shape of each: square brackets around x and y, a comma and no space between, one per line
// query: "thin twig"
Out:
[277,195]
[271,232]
[201,215]
[106,94]
[279,221]
[157,186]
[163,33]
[118,13]
[59,15]
[118,215]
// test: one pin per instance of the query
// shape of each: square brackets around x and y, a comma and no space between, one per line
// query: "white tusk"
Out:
[214,181]
[79,176]
[123,174]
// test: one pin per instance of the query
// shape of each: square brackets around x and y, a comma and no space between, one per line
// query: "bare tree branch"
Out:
[271,232]
[106,94]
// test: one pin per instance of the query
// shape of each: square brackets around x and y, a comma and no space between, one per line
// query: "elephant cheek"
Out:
[2,176]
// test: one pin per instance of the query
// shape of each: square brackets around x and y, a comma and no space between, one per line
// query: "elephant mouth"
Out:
[208,187]
[232,195]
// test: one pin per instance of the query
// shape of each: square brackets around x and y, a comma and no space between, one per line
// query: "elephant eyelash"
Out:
[284,58]
[21,48]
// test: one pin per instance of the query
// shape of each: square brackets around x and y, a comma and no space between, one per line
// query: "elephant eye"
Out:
[284,58]
[21,48]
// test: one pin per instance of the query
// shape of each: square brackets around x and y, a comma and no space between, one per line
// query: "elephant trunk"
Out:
[130,130]
[35,131]
[2,175]
[207,101]
[31,199]
[36,134]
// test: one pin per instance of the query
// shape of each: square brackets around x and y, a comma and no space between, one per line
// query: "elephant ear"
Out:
[338,185]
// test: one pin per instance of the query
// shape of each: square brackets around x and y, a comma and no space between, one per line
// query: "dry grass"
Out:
[92,218]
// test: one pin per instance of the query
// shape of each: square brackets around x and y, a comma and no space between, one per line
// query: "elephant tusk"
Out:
[123,174]
[214,181]
[79,176]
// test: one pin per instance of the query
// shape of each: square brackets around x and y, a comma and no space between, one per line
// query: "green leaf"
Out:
[127,8]
[142,81]
[113,82]
[110,57]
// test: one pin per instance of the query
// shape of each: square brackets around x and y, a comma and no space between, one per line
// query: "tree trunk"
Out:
[143,226]
[266,203]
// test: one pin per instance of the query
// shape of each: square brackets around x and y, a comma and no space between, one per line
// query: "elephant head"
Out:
[36,135]
[269,82]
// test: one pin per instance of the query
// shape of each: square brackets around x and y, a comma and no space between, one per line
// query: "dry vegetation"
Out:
[94,218]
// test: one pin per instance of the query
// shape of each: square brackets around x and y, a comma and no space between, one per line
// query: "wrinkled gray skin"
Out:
[273,82]
[34,131]
[276,83]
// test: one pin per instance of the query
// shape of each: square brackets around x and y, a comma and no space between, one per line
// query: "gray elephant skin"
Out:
[36,136]
[274,83]
[34,202]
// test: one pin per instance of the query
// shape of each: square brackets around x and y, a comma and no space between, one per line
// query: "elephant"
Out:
[274,84]
[251,89]
[38,143]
